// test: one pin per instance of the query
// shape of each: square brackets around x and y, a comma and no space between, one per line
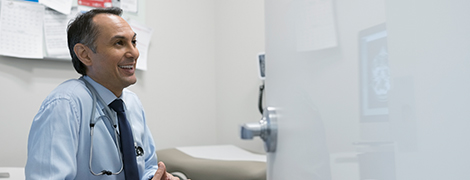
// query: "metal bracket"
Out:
[266,129]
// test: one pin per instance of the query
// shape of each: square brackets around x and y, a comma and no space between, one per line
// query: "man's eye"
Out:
[134,42]
[120,43]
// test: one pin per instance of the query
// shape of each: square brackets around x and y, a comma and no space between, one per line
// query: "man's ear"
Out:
[83,53]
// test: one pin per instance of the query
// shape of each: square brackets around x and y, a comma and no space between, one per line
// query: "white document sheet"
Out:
[55,33]
[144,34]
[222,152]
[63,6]
[129,5]
[315,25]
[21,29]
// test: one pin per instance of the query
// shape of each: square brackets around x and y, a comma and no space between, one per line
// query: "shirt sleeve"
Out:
[53,141]
[151,161]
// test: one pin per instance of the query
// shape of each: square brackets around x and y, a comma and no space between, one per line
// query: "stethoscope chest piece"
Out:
[139,151]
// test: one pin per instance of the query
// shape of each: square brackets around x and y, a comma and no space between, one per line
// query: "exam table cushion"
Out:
[208,169]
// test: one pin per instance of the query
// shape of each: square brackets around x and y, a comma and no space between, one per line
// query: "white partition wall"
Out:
[429,59]
[383,97]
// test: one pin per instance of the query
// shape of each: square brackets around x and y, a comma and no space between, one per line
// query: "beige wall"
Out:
[201,81]
[239,38]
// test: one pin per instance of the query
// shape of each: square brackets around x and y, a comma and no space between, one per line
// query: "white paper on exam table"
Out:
[222,152]
[14,173]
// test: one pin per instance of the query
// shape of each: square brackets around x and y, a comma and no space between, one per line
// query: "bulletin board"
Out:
[30,29]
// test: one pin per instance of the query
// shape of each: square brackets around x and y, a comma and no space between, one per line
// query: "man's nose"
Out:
[133,52]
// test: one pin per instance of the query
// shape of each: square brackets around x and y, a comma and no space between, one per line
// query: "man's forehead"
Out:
[109,21]
[113,25]
[106,16]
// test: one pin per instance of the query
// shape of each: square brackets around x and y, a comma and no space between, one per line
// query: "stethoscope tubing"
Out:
[93,121]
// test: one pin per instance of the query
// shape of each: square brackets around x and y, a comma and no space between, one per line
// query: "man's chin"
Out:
[131,81]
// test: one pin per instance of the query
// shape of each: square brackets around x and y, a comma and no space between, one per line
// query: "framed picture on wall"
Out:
[375,79]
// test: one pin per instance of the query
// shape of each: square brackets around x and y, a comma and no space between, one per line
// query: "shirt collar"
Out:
[105,93]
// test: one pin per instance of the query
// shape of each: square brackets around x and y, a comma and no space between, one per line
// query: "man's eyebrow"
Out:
[123,37]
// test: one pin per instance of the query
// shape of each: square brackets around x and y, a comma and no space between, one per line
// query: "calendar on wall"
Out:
[36,29]
[21,29]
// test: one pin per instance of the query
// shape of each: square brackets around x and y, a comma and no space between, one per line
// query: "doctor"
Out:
[74,136]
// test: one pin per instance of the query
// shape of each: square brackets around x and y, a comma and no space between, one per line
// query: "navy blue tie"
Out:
[127,142]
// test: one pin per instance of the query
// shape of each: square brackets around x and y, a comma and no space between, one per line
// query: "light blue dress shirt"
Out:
[59,139]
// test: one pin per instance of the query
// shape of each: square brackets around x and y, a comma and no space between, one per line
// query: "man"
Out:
[74,136]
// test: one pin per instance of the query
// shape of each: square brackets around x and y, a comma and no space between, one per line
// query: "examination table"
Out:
[221,162]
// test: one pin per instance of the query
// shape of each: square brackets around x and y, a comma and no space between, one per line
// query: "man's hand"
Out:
[161,173]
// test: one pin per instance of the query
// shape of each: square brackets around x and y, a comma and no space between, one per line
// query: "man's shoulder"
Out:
[70,90]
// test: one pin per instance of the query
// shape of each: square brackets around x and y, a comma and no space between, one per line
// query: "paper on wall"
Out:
[315,27]
[21,29]
[144,34]
[129,5]
[96,3]
[62,6]
[55,33]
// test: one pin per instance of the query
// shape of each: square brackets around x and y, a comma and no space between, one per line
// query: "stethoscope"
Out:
[112,122]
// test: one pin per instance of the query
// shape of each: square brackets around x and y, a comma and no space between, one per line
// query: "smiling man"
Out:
[93,127]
